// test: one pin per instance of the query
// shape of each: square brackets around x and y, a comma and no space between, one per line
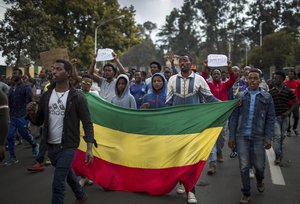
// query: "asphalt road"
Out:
[17,185]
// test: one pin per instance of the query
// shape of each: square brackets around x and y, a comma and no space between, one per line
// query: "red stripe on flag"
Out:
[121,178]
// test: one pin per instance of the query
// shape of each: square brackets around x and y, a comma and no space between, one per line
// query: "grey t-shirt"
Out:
[107,90]
[57,107]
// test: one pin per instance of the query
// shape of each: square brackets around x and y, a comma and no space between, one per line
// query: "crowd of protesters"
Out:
[262,118]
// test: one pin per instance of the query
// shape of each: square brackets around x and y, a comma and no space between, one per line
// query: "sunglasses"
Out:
[86,83]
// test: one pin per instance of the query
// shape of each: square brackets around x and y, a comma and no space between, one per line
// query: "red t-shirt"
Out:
[220,89]
[294,85]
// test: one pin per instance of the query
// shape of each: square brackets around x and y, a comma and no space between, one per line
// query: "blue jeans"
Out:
[251,152]
[221,140]
[212,159]
[42,150]
[281,125]
[22,125]
[62,160]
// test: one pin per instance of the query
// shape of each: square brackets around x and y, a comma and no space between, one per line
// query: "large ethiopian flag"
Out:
[151,150]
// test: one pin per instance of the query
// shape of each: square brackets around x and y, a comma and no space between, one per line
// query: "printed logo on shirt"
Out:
[57,108]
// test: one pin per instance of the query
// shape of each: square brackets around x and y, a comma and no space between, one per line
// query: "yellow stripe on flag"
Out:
[152,151]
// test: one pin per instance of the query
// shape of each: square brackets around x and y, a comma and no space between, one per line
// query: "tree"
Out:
[74,24]
[149,27]
[278,50]
[263,10]
[290,17]
[180,34]
[141,55]
[146,29]
[235,31]
[25,31]
[32,26]
[169,31]
[213,15]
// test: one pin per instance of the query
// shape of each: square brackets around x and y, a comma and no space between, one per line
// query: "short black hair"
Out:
[190,58]
[293,72]
[67,65]
[112,66]
[156,63]
[87,76]
[143,73]
[256,71]
[216,69]
[280,73]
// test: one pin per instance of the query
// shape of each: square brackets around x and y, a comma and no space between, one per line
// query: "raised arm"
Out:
[92,71]
[205,70]
[118,63]
[232,77]
[75,74]
[171,58]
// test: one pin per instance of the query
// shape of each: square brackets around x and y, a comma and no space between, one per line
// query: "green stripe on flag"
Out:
[176,120]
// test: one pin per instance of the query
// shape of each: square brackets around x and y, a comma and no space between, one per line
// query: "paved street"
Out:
[19,186]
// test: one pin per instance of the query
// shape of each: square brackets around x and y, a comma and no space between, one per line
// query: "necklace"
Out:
[59,97]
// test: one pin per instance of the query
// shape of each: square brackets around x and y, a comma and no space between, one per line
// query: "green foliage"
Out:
[32,26]
[149,27]
[180,34]
[140,56]
[278,50]
[25,31]
[203,27]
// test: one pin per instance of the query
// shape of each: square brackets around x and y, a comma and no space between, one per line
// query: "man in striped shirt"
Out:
[281,95]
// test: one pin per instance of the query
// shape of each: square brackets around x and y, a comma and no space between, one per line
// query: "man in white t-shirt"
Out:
[60,110]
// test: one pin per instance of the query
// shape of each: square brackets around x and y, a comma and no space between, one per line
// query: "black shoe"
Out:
[260,186]
[296,132]
[245,199]
[277,161]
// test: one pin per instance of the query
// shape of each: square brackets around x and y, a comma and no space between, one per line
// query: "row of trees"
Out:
[201,27]
[32,26]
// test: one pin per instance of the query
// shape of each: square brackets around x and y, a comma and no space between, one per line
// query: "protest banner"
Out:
[104,54]
[215,60]
[48,57]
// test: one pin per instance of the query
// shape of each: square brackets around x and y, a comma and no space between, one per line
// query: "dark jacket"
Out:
[76,111]
[18,97]
[156,99]
[263,118]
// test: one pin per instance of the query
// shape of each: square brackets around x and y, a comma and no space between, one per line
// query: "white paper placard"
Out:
[104,54]
[215,60]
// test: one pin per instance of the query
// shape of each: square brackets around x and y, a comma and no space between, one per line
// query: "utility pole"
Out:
[260,33]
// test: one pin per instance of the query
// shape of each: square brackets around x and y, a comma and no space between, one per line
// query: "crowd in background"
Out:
[274,104]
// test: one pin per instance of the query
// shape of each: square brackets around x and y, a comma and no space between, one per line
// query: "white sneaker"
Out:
[191,198]
[180,189]
[251,173]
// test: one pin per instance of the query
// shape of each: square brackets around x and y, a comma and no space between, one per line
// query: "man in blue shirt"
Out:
[19,96]
[251,130]
[138,89]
